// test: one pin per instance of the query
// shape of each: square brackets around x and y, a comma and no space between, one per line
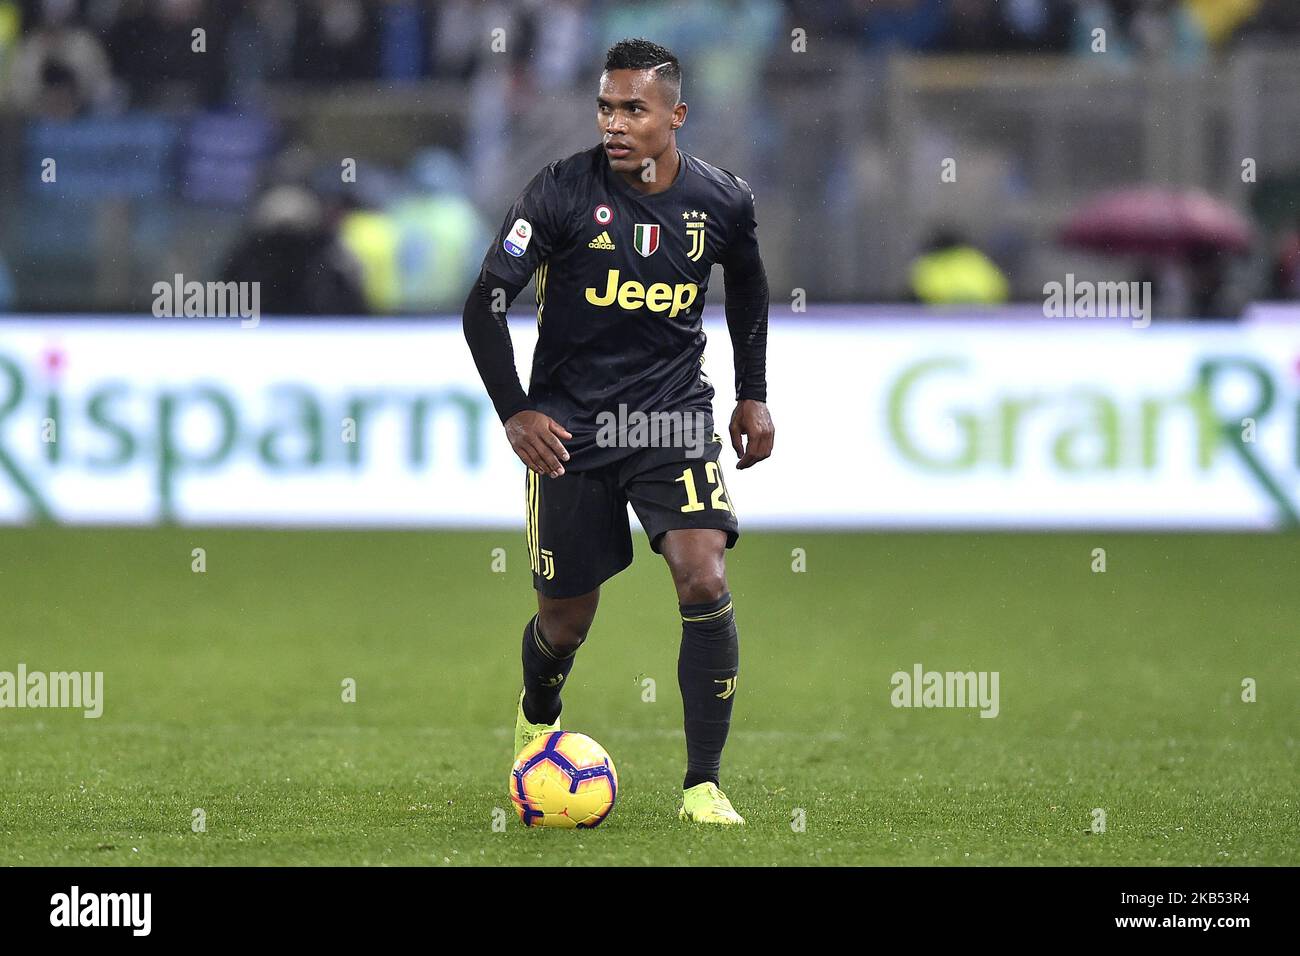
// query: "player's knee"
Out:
[564,640]
[564,622]
[701,584]
[566,632]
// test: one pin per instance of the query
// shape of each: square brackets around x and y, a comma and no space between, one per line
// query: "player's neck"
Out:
[665,176]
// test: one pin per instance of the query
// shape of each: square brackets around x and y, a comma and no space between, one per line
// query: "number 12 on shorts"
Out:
[718,499]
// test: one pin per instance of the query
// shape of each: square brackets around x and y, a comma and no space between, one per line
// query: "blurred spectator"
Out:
[258,48]
[1041,26]
[558,43]
[1219,20]
[1146,29]
[457,38]
[911,24]
[951,271]
[729,74]
[336,40]
[442,236]
[1216,287]
[292,250]
[10,33]
[367,230]
[992,26]
[974,26]
[60,70]
[419,246]
[1277,22]
[1286,268]
[1207,282]
[151,43]
[372,237]
[401,41]
[822,18]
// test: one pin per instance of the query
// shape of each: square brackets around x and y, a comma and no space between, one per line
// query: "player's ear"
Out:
[679,115]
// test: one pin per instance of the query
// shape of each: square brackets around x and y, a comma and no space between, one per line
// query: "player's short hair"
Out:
[641,54]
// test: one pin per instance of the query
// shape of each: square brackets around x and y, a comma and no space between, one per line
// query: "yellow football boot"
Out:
[705,803]
[526,733]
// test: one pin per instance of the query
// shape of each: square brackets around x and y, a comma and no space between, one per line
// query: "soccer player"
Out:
[621,238]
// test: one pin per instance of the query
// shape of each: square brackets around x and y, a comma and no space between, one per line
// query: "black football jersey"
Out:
[621,282]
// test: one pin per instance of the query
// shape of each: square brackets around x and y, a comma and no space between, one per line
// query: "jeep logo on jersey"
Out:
[658,297]
[516,241]
[646,238]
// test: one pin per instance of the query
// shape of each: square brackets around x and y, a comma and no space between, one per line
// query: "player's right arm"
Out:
[532,229]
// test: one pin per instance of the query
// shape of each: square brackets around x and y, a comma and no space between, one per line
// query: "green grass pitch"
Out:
[1118,690]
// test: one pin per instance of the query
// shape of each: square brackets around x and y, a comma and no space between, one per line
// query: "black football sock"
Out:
[544,675]
[706,672]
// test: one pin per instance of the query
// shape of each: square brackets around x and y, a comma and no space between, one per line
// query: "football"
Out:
[563,779]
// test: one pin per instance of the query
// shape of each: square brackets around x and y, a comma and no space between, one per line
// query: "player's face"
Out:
[635,118]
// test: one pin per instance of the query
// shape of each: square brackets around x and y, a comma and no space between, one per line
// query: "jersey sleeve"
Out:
[532,230]
[746,301]
[488,335]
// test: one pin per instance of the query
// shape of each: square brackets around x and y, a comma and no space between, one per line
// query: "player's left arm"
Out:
[746,306]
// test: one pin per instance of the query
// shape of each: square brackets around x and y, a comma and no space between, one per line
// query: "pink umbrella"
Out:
[1155,221]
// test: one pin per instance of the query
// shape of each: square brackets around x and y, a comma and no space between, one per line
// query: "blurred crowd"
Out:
[408,238]
[1176,28]
[66,57]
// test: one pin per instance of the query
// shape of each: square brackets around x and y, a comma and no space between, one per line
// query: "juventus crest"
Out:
[695,233]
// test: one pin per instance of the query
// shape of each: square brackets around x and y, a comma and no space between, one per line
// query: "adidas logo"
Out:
[601,242]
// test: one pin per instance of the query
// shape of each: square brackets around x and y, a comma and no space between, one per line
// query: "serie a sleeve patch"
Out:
[517,239]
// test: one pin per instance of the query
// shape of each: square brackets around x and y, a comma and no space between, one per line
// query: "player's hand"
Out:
[751,419]
[536,440]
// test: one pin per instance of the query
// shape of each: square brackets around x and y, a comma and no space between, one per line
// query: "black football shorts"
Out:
[577,525]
